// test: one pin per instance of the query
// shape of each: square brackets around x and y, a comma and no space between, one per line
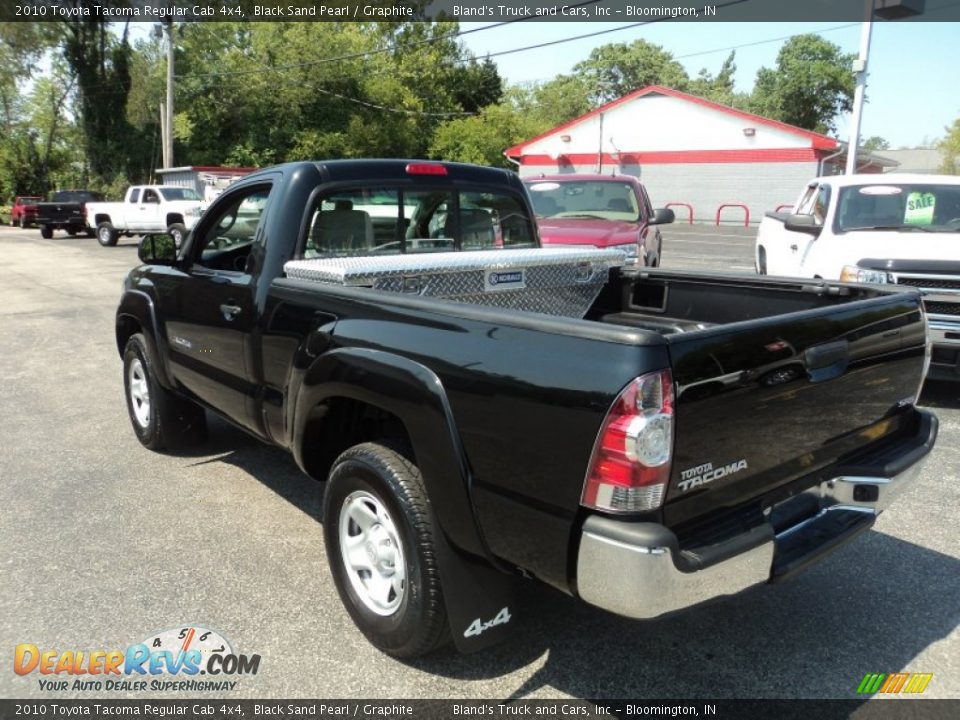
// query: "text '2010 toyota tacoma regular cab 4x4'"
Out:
[483,409]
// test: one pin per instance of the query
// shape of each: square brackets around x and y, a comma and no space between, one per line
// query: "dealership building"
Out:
[691,152]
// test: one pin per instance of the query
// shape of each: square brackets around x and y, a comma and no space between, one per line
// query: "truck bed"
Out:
[759,364]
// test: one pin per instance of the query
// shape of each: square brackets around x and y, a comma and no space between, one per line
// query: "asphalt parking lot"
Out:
[105,543]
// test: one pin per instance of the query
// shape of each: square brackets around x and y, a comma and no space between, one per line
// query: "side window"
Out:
[150,196]
[135,195]
[805,206]
[821,203]
[229,230]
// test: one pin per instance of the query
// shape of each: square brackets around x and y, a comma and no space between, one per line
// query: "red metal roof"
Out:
[817,141]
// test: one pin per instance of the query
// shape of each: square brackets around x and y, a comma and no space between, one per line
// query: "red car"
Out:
[24,210]
[601,210]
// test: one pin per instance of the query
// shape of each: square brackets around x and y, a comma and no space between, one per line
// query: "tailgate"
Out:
[764,402]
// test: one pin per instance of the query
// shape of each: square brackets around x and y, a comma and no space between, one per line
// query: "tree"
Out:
[613,70]
[100,62]
[875,142]
[810,86]
[950,146]
[483,138]
[719,89]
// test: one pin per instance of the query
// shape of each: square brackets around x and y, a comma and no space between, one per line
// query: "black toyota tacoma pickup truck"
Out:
[484,410]
[67,210]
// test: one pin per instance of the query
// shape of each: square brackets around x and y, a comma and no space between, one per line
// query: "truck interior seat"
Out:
[618,205]
[342,229]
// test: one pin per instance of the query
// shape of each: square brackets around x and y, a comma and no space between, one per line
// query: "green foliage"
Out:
[482,138]
[613,70]
[810,86]
[717,88]
[875,143]
[950,146]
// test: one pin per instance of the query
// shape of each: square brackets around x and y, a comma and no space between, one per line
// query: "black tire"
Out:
[72,232]
[761,261]
[172,422]
[46,232]
[418,625]
[91,233]
[106,234]
[178,231]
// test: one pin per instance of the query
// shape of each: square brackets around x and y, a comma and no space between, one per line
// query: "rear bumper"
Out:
[640,571]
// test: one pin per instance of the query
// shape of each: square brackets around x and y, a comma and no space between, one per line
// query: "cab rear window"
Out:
[385,220]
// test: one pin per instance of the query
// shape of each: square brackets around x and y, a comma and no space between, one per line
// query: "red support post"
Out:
[746,213]
[688,206]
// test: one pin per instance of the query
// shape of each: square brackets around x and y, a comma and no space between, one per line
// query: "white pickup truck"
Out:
[902,229]
[146,209]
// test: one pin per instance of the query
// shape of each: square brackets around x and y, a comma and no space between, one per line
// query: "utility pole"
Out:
[168,154]
[860,68]
[885,10]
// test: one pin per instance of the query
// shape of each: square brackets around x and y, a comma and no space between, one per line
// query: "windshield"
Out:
[602,199]
[931,207]
[179,194]
[31,199]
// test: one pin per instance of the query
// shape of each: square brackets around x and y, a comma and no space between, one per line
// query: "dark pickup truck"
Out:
[66,211]
[483,410]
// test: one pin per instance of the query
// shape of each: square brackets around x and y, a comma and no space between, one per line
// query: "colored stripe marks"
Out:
[894,683]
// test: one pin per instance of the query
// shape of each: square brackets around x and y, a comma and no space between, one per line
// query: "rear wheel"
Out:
[106,234]
[761,261]
[379,534]
[46,232]
[160,419]
[72,232]
[178,231]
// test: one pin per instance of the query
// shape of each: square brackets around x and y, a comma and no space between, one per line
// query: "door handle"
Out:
[230,311]
[793,247]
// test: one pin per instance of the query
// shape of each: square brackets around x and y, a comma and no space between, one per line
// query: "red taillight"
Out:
[630,466]
[426,169]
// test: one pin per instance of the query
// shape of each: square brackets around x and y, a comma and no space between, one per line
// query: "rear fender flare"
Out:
[415,395]
[478,590]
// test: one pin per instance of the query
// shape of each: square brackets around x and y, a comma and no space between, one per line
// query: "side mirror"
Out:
[157,249]
[662,216]
[803,224]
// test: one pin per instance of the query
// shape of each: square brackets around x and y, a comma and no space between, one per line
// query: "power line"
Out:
[376,51]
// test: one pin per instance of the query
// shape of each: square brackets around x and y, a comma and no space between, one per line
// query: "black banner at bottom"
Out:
[223,709]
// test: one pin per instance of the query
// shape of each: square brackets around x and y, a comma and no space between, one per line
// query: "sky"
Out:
[914,67]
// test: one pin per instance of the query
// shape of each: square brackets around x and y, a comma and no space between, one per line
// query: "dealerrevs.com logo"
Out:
[187,658]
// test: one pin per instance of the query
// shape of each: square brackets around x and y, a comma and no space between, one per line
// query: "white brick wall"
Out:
[762,186]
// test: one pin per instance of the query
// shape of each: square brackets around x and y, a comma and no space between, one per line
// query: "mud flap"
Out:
[480,600]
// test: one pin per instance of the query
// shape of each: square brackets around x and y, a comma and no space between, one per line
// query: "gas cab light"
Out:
[630,465]
[426,169]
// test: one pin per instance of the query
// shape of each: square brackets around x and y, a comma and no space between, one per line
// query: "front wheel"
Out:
[46,232]
[160,419]
[106,234]
[379,536]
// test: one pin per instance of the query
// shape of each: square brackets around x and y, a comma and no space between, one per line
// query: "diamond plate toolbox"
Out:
[555,281]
